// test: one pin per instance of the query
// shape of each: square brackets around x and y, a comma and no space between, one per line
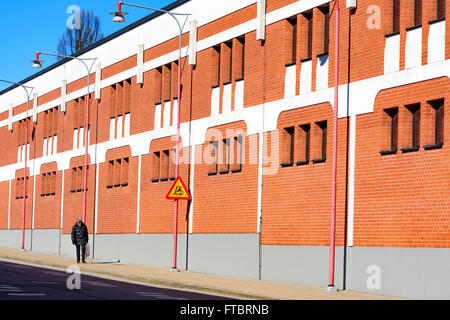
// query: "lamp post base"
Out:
[331,289]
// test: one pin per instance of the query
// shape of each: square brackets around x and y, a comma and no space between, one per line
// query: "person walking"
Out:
[80,238]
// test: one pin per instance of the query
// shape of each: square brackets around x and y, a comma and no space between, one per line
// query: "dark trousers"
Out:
[83,252]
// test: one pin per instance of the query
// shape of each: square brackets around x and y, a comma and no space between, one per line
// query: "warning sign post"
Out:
[179,191]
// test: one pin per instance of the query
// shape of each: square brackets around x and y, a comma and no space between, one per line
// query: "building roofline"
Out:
[116,34]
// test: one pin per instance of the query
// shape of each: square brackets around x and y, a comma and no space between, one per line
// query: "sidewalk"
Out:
[206,283]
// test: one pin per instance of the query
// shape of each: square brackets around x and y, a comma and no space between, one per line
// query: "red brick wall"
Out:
[297,199]
[401,199]
[227,22]
[447,34]
[4,192]
[226,203]
[48,208]
[17,204]
[73,202]
[156,212]
[4,115]
[118,206]
[8,147]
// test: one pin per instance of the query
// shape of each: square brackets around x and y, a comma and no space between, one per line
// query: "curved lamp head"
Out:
[36,62]
[119,14]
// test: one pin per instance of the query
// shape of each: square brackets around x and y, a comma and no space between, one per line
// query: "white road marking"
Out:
[99,284]
[150,293]
[10,290]
[156,295]
[45,282]
[54,273]
[27,294]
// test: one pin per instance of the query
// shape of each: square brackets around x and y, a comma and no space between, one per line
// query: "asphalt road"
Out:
[23,282]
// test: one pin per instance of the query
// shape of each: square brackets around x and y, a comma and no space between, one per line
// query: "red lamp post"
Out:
[331,284]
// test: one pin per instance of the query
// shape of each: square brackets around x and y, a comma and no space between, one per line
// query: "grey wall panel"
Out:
[419,273]
[308,265]
[148,249]
[13,239]
[67,248]
[225,254]
[10,238]
[46,241]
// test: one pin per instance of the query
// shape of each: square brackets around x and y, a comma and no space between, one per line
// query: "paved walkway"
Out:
[220,285]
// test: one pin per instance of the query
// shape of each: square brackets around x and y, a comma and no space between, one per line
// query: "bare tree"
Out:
[85,32]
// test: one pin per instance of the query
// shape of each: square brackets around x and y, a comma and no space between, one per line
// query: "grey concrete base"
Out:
[37,240]
[419,273]
[302,265]
[225,254]
[145,249]
[13,239]
[66,247]
[45,241]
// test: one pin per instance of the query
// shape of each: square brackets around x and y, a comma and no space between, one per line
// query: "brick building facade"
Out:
[256,144]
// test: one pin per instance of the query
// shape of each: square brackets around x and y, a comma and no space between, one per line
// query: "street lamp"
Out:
[37,64]
[119,17]
[331,284]
[24,207]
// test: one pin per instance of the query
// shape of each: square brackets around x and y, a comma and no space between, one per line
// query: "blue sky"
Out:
[28,26]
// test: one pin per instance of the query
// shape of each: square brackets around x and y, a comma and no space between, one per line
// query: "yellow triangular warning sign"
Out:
[179,191]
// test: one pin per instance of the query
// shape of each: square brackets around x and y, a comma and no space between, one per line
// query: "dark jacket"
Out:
[80,235]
